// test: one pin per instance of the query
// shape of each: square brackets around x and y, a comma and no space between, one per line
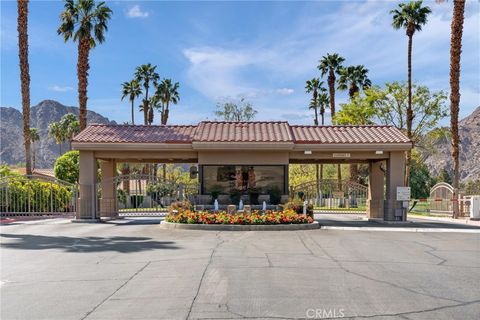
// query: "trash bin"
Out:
[475,207]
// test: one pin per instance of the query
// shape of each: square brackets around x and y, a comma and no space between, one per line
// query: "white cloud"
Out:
[136,12]
[58,88]
[285,91]
[360,31]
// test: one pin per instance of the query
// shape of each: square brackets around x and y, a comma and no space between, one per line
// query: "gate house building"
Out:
[243,155]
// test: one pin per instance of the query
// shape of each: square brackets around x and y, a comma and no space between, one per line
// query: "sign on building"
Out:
[403,193]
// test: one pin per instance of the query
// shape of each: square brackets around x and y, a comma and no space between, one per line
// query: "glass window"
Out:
[242,178]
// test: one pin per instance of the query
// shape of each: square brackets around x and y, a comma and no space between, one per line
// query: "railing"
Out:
[144,194]
[36,195]
[440,206]
[332,195]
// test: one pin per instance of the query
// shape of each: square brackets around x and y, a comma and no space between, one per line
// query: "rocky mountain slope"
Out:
[469,131]
[41,115]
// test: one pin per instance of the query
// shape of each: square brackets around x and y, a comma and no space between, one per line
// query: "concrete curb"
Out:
[237,227]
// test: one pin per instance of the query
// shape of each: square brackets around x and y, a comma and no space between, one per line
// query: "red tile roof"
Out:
[348,134]
[216,131]
[135,134]
[258,131]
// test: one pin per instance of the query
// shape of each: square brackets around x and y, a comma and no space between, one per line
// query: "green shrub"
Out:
[36,196]
[66,167]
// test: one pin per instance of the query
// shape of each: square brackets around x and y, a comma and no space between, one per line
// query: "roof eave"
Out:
[131,146]
[399,146]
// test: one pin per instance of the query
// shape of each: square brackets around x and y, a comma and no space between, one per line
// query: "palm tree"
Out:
[56,132]
[132,90]
[167,92]
[354,78]
[22,27]
[146,75]
[322,102]
[314,85]
[34,137]
[70,127]
[411,16]
[331,65]
[455,53]
[86,23]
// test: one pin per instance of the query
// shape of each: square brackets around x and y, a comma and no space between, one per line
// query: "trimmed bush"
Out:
[66,167]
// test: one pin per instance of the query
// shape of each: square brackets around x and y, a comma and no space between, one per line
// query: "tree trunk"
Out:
[409,110]
[22,28]
[133,111]
[455,53]
[145,105]
[354,172]
[33,156]
[339,176]
[82,74]
[331,91]
[164,172]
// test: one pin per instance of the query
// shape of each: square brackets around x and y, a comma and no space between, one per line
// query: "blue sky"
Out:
[263,51]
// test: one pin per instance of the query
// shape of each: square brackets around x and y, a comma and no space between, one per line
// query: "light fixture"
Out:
[307,152]
[379,152]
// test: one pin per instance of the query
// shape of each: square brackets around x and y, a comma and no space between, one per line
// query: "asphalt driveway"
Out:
[134,270]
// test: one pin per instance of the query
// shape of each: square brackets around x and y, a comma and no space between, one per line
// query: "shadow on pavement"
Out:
[86,244]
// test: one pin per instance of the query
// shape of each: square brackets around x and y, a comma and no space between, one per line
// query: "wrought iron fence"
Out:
[330,194]
[36,195]
[144,194]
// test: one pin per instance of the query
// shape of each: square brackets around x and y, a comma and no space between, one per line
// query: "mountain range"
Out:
[41,115]
[48,111]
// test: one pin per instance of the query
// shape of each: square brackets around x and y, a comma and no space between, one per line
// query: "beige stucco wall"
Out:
[243,157]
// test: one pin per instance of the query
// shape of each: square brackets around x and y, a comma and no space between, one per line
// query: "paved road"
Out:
[128,270]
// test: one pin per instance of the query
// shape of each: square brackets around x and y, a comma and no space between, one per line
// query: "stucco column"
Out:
[108,201]
[395,178]
[376,196]
[87,180]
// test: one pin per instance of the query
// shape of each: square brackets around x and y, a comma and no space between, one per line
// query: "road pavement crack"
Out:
[400,314]
[114,292]
[430,252]
[339,263]
[219,243]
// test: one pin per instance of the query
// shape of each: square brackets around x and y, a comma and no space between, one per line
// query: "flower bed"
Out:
[254,218]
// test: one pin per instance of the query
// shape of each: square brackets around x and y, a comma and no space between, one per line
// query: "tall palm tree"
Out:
[455,53]
[314,86]
[146,76]
[167,92]
[86,23]
[34,137]
[22,27]
[411,16]
[132,90]
[322,101]
[331,64]
[354,78]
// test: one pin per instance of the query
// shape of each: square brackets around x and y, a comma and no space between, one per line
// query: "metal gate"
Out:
[143,194]
[36,195]
[332,195]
